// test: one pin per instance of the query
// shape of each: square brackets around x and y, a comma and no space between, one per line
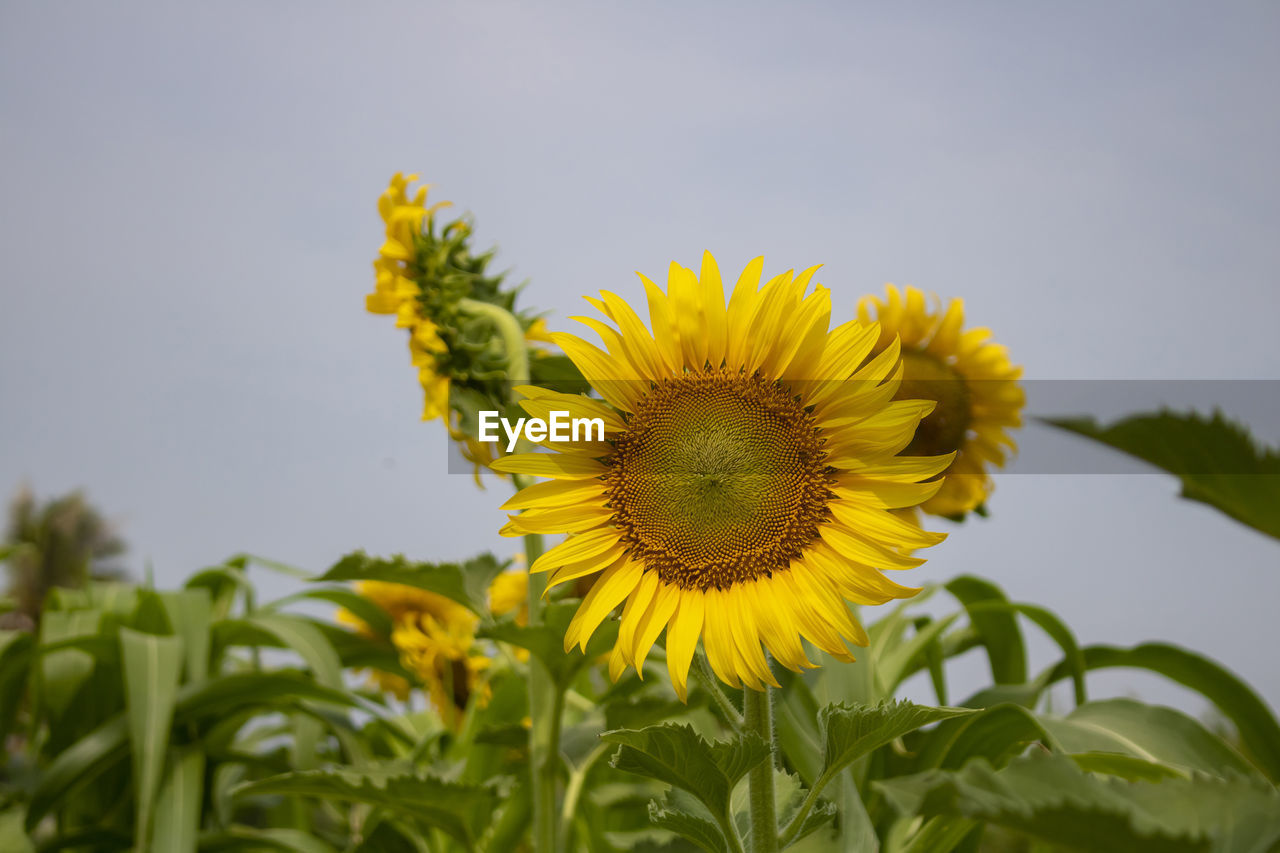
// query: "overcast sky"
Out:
[188,194]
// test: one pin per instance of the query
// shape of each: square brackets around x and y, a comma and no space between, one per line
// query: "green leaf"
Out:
[698,829]
[1216,459]
[678,756]
[998,629]
[1149,732]
[466,583]
[546,641]
[378,620]
[89,757]
[12,836]
[1052,799]
[294,632]
[1259,732]
[190,612]
[852,732]
[250,840]
[463,811]
[177,821]
[152,666]
[63,672]
[15,664]
[994,734]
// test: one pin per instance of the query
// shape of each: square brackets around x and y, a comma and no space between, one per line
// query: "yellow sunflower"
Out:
[971,379]
[435,637]
[743,490]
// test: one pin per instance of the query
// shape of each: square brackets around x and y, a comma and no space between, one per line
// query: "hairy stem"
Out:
[758,718]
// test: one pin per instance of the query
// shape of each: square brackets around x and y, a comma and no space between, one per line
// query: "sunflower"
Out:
[971,379]
[743,490]
[424,279]
[435,637]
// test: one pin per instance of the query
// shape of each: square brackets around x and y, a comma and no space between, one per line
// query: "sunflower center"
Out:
[718,479]
[946,427]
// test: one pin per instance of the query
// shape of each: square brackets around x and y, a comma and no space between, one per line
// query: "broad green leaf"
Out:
[794,807]
[190,612]
[251,840]
[1257,726]
[89,757]
[999,629]
[1050,798]
[178,813]
[152,667]
[466,583]
[302,636]
[1216,459]
[463,811]
[895,663]
[678,756]
[1149,732]
[1124,766]
[994,734]
[546,641]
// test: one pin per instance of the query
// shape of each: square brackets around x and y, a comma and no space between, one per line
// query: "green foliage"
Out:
[466,583]
[1050,798]
[1216,459]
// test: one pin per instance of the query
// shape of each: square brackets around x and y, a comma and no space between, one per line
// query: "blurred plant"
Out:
[63,542]
[970,378]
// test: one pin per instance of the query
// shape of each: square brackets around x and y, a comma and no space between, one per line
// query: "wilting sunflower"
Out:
[971,379]
[743,489]
[435,637]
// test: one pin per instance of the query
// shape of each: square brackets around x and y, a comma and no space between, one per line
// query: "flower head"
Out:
[967,375]
[433,282]
[435,637]
[743,490]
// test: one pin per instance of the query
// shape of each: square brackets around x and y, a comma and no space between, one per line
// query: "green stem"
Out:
[758,718]
[706,678]
[546,703]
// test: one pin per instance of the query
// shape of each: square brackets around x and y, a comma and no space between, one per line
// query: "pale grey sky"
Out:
[189,194]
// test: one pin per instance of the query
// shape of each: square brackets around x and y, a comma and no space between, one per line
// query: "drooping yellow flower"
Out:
[971,379]
[744,488]
[436,640]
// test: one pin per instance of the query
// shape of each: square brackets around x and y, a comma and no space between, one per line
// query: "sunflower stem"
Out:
[706,678]
[757,706]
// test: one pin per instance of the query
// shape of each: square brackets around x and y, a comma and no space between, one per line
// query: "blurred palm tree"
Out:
[63,542]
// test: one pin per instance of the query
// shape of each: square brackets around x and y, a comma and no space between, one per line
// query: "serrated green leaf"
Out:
[852,732]
[1259,732]
[678,756]
[1216,459]
[462,811]
[152,665]
[1050,798]
[695,828]
[466,583]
